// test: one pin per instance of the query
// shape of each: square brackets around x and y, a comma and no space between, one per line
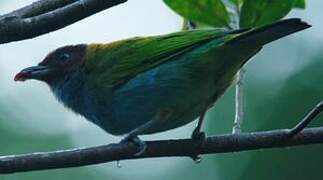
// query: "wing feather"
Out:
[115,63]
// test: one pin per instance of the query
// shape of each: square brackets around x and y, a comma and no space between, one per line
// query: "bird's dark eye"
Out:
[64,57]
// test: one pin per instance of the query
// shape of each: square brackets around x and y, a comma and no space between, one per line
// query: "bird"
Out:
[146,85]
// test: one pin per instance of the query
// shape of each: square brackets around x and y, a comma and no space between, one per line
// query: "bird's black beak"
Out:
[35,72]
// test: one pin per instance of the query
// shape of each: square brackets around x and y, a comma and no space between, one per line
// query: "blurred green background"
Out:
[283,82]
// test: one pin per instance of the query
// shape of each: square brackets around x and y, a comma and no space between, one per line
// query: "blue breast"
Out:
[73,93]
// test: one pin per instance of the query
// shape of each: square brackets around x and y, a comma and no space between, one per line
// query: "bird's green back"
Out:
[113,64]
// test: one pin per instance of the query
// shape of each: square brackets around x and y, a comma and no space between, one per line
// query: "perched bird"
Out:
[147,85]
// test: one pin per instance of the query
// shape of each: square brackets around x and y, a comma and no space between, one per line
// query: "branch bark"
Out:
[166,148]
[45,16]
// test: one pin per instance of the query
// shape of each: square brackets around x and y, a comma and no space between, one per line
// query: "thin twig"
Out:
[239,114]
[239,102]
[306,120]
[46,16]
[166,148]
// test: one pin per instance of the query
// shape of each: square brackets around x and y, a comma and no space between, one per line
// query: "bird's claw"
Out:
[140,144]
[199,136]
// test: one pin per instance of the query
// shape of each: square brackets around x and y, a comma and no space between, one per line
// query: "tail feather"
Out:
[266,34]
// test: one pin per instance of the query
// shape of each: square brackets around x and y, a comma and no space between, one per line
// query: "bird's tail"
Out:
[266,34]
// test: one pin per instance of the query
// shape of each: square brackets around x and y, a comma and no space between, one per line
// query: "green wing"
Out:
[116,63]
[109,65]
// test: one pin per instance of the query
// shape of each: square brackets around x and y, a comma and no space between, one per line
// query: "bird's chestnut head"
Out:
[56,65]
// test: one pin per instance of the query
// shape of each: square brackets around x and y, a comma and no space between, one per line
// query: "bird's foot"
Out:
[141,145]
[198,136]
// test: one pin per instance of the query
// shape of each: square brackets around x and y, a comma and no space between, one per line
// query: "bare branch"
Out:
[39,7]
[166,148]
[307,119]
[46,16]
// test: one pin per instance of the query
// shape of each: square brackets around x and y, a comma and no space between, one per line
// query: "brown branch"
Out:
[45,16]
[165,148]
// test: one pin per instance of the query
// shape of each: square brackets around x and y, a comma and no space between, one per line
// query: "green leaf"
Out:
[260,12]
[210,12]
[299,4]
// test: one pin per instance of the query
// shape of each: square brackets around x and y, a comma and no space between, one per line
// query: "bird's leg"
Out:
[133,137]
[199,136]
[197,133]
